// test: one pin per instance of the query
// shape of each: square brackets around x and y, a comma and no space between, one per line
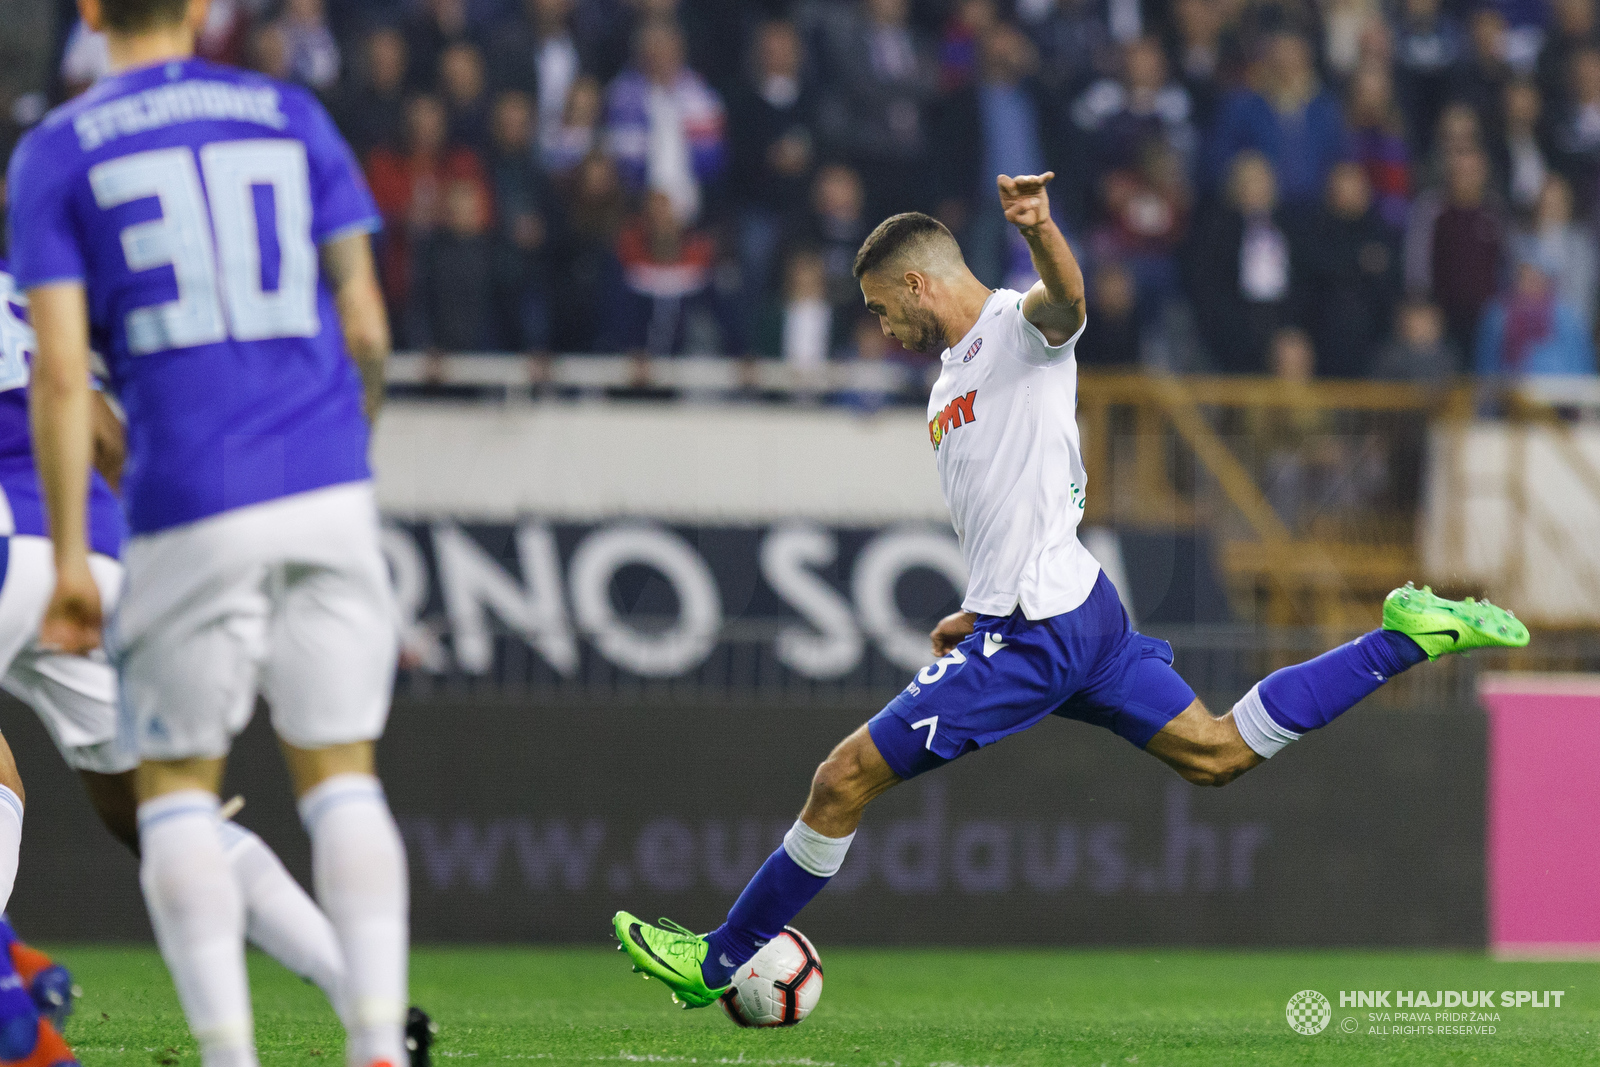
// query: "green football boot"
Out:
[1441,626]
[670,953]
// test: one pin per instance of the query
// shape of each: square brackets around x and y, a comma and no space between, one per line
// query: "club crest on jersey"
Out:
[957,413]
[976,345]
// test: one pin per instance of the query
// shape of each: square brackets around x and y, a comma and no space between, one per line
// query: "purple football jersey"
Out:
[190,200]
[19,482]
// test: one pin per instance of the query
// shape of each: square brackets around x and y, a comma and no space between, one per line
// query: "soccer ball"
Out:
[779,986]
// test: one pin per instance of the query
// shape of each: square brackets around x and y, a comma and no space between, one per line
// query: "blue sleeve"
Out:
[341,203]
[44,238]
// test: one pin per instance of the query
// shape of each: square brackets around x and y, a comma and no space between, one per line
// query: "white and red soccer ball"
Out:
[779,986]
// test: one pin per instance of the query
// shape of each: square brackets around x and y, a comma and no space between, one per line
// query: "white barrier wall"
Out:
[677,462]
[1515,510]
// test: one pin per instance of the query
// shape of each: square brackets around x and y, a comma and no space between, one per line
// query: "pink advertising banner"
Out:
[1543,847]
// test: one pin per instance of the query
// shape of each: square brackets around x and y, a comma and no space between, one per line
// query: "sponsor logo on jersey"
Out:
[976,345]
[957,413]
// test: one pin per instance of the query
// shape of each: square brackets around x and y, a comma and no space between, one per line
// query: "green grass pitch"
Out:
[949,1008]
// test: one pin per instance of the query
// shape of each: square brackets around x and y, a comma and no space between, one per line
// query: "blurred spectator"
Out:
[1577,132]
[1350,265]
[535,50]
[1574,28]
[1419,350]
[371,112]
[836,226]
[773,146]
[1111,338]
[1344,23]
[1146,216]
[1457,244]
[313,53]
[664,125]
[1074,39]
[1123,116]
[450,311]
[583,254]
[1531,329]
[436,25]
[407,183]
[225,34]
[463,87]
[1480,76]
[1429,44]
[1565,248]
[1378,141]
[869,347]
[1197,48]
[799,326]
[1521,161]
[1290,119]
[269,51]
[992,127]
[969,23]
[667,301]
[522,206]
[1241,270]
[570,141]
[879,77]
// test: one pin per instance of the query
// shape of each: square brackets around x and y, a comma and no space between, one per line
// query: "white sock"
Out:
[198,915]
[358,865]
[10,842]
[814,852]
[280,918]
[1258,729]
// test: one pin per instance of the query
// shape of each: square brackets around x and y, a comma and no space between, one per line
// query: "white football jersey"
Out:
[1003,422]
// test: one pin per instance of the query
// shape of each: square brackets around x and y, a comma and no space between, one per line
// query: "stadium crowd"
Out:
[1399,189]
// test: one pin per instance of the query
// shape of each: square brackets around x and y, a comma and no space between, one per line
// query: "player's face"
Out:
[901,315]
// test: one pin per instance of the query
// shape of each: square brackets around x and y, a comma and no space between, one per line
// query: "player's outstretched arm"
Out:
[63,440]
[347,263]
[1055,303]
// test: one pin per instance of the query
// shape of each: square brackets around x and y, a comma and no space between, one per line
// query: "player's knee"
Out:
[838,783]
[1215,768]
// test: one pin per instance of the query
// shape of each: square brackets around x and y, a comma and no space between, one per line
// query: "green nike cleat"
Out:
[670,953]
[1440,626]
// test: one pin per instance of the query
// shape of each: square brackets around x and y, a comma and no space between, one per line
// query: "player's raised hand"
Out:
[73,619]
[1024,199]
[951,631]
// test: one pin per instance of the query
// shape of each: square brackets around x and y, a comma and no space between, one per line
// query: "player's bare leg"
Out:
[853,775]
[1203,748]
[359,875]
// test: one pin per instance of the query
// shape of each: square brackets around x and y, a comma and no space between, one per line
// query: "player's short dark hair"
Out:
[137,16]
[895,234]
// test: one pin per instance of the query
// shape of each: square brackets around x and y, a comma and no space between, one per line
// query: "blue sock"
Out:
[774,896]
[1314,693]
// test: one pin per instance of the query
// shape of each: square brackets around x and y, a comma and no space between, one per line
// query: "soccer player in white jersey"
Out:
[1041,631]
[209,229]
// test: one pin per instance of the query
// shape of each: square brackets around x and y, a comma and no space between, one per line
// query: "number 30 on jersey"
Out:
[211,237]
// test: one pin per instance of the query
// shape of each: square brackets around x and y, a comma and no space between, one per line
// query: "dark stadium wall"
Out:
[535,820]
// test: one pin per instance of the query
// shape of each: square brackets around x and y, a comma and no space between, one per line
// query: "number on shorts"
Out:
[214,246]
[16,338]
[935,670]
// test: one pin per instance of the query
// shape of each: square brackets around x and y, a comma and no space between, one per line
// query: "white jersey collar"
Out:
[962,344]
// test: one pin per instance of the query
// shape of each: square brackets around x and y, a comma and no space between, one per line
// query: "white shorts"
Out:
[74,696]
[289,600]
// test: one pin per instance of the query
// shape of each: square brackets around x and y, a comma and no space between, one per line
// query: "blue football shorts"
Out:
[1011,672]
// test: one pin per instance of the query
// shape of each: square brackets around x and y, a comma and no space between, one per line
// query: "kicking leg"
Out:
[1205,749]
[697,968]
